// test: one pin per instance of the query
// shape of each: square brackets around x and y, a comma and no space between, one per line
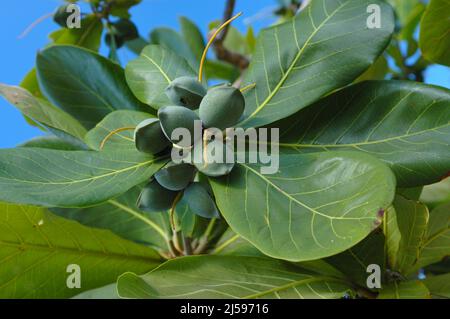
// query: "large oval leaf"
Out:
[83,83]
[113,121]
[149,75]
[70,178]
[37,248]
[434,32]
[325,47]
[405,124]
[230,277]
[317,204]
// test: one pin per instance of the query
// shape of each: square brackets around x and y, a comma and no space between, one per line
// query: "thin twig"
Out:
[35,23]
[222,52]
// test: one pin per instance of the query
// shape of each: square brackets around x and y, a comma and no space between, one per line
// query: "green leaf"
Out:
[70,178]
[434,40]
[117,119]
[83,83]
[436,194]
[51,142]
[122,217]
[436,246]
[37,248]
[354,261]
[230,277]
[193,37]
[232,244]
[42,111]
[405,231]
[136,45]
[216,69]
[316,205]
[325,47]
[105,292]
[377,71]
[405,290]
[149,75]
[88,36]
[439,286]
[173,41]
[393,120]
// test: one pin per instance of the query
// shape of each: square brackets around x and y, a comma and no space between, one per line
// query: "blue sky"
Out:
[17,56]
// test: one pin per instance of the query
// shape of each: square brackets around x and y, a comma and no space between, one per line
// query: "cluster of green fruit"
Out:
[220,107]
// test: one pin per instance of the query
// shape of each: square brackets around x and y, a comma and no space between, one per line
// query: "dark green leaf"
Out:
[230,277]
[37,248]
[83,83]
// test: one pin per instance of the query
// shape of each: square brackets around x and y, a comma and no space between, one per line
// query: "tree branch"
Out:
[223,53]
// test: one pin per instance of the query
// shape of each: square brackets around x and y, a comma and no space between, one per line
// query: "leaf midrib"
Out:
[294,62]
[87,179]
[24,246]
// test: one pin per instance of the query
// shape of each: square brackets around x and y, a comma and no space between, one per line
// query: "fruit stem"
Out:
[210,42]
[187,246]
[118,130]
[248,87]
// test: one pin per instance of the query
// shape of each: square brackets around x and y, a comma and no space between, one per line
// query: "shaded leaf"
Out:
[121,216]
[439,286]
[83,83]
[37,247]
[434,40]
[405,290]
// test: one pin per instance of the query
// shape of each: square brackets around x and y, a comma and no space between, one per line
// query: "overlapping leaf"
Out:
[315,206]
[405,124]
[37,247]
[113,121]
[405,290]
[121,216]
[406,226]
[149,75]
[70,178]
[325,47]
[84,84]
[434,32]
[42,111]
[439,286]
[230,277]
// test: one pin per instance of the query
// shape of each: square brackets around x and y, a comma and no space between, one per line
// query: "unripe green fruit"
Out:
[61,16]
[175,177]
[186,91]
[174,117]
[155,198]
[200,201]
[123,30]
[206,166]
[222,107]
[149,137]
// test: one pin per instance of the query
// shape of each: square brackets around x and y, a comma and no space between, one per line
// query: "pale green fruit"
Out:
[222,107]
[149,137]
[208,166]
[175,177]
[186,91]
[200,201]
[155,198]
[173,117]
